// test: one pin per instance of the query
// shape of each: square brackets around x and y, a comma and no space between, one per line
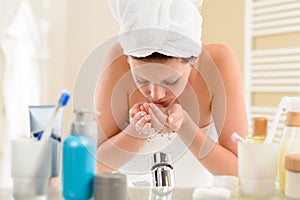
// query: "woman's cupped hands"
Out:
[149,118]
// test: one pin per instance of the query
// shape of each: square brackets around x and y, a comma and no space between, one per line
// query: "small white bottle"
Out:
[292,181]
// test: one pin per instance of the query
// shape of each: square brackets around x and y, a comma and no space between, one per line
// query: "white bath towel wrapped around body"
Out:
[188,171]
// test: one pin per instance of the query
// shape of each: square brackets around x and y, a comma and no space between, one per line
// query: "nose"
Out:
[157,92]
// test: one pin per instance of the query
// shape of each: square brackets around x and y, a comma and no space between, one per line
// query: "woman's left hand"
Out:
[165,120]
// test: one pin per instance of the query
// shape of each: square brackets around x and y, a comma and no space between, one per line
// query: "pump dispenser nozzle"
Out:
[84,123]
[81,113]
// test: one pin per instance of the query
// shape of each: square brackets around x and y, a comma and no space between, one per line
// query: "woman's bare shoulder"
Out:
[111,92]
[222,55]
[219,51]
[114,52]
[116,63]
[115,68]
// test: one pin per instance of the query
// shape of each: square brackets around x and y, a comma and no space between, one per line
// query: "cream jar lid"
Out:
[260,126]
[110,178]
[292,162]
[292,119]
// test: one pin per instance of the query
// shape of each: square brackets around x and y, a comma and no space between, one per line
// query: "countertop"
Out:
[138,193]
[135,193]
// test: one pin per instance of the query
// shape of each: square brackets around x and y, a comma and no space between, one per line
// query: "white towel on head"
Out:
[198,3]
[169,27]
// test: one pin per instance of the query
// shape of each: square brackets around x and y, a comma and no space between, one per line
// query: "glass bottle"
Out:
[292,183]
[260,127]
[290,143]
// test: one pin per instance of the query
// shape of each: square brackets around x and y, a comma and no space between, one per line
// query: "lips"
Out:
[162,103]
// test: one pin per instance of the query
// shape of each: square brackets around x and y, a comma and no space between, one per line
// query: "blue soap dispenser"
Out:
[79,157]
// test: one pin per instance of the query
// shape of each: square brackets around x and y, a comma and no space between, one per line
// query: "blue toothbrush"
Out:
[63,100]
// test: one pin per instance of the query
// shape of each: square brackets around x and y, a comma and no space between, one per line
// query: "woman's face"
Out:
[161,83]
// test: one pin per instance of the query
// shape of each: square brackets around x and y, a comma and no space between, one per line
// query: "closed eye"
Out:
[141,81]
[172,83]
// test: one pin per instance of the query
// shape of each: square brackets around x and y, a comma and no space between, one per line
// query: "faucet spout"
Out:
[162,170]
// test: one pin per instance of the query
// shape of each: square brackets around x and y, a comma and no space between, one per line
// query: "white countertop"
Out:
[139,193]
[135,193]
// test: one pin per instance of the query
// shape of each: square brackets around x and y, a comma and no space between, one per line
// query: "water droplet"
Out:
[150,139]
[169,136]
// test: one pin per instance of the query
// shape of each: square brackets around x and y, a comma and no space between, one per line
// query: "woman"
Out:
[161,80]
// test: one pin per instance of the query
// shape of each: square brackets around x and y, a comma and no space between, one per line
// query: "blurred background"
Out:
[56,36]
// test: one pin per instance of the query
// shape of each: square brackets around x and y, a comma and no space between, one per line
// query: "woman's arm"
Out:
[228,105]
[115,146]
[228,112]
[118,149]
[216,158]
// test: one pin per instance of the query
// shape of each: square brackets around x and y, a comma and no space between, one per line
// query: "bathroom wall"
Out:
[223,22]
[89,25]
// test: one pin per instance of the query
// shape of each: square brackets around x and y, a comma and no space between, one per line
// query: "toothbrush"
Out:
[237,138]
[281,108]
[63,100]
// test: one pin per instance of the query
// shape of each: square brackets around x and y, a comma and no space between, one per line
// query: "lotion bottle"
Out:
[79,158]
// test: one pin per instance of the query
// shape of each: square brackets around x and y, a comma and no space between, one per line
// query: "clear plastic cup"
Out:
[257,168]
[30,167]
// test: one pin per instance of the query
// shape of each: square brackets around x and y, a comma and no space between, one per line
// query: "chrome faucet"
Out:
[163,176]
[162,170]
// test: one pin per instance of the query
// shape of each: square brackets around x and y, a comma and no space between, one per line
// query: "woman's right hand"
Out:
[140,120]
[168,120]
